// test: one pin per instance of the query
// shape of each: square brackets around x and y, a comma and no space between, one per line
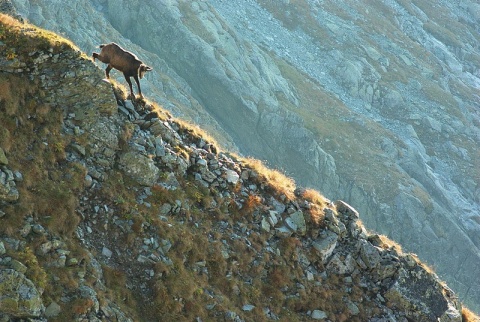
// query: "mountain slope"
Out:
[116,211]
[373,101]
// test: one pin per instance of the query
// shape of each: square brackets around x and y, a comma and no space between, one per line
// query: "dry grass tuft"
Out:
[275,180]
[469,316]
[387,243]
[318,204]
[18,35]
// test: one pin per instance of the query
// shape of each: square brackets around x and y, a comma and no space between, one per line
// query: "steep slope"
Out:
[373,101]
[113,210]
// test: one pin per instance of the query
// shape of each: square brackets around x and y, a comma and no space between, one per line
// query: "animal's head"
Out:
[143,69]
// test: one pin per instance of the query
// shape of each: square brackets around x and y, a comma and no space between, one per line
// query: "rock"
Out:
[452,314]
[2,248]
[432,124]
[38,229]
[325,246]
[19,296]
[18,266]
[298,221]
[232,177]
[318,315]
[90,294]
[334,224]
[346,209]
[420,295]
[45,248]
[272,218]
[106,252]
[165,209]
[352,307]
[248,307]
[52,310]
[3,158]
[265,225]
[140,168]
[340,266]
[26,229]
[8,189]
[369,254]
[291,224]
[166,132]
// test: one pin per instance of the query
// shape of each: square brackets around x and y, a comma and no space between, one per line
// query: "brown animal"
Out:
[124,61]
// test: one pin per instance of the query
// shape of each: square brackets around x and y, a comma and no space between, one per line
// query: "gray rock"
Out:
[318,315]
[248,307]
[298,221]
[341,265]
[8,189]
[326,245]
[106,252]
[265,225]
[53,310]
[421,296]
[165,209]
[140,168]
[370,254]
[232,177]
[38,229]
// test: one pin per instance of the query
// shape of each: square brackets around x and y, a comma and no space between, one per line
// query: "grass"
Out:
[317,205]
[469,316]
[23,39]
[50,184]
[274,180]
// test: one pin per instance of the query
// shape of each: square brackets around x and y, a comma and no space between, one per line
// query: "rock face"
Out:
[20,298]
[194,227]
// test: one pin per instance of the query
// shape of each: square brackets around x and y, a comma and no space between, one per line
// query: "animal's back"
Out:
[118,57]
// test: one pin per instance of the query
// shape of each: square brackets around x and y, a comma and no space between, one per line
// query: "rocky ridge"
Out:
[121,212]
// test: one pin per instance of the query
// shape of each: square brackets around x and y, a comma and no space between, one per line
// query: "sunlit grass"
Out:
[27,38]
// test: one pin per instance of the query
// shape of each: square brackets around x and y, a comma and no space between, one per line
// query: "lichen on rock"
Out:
[19,296]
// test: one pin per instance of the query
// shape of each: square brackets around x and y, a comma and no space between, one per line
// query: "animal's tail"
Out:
[102,45]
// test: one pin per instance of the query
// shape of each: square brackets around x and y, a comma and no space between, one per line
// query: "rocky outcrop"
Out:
[20,298]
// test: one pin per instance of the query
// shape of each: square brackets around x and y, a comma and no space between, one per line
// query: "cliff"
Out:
[113,210]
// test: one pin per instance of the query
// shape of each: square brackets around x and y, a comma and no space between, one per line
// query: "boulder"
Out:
[19,296]
[422,297]
[140,168]
[325,246]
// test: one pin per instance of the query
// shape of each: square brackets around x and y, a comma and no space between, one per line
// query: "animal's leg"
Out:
[129,84]
[138,85]
[94,55]
[107,71]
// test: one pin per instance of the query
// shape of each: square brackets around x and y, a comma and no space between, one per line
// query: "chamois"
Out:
[124,61]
